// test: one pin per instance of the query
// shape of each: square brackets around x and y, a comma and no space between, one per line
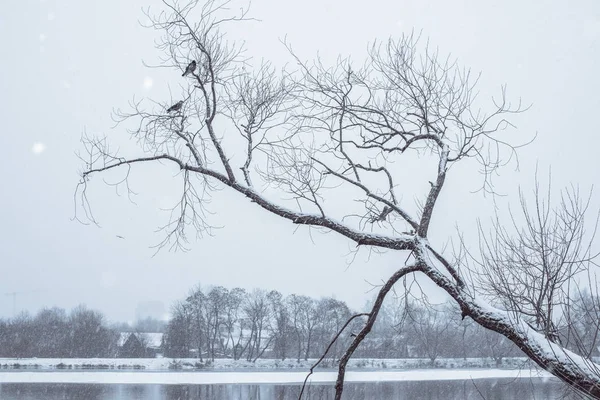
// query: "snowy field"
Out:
[204,378]
[164,364]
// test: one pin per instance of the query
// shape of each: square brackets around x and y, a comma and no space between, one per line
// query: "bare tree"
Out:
[194,317]
[331,315]
[391,333]
[280,324]
[532,272]
[182,331]
[582,332]
[494,345]
[233,315]
[304,321]
[430,327]
[258,316]
[215,306]
[341,132]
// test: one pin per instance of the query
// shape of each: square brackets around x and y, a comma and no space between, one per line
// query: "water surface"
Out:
[489,389]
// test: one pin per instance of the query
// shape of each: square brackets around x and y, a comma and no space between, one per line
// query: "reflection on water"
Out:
[489,389]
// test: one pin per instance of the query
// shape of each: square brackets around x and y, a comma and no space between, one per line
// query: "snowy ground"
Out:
[186,378]
[163,364]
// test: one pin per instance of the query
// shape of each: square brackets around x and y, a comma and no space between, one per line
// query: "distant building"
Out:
[140,345]
[151,309]
[132,347]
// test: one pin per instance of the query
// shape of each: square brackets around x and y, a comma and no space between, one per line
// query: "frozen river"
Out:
[383,385]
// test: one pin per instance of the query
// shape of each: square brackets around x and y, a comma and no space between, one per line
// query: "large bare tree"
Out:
[345,133]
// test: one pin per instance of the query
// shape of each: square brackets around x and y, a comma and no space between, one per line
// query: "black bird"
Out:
[175,107]
[386,211]
[190,68]
[382,217]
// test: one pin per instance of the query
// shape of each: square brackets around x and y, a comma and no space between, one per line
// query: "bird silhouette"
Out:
[175,107]
[190,68]
[382,216]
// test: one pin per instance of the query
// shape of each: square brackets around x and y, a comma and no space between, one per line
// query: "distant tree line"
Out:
[54,333]
[235,323]
[413,329]
[82,333]
[239,324]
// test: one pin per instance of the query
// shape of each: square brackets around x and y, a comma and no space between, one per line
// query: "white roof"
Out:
[152,339]
[123,338]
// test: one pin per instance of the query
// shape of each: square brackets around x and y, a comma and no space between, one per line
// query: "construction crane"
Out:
[14,298]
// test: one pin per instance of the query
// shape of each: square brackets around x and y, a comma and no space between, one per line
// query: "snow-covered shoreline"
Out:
[165,364]
[168,371]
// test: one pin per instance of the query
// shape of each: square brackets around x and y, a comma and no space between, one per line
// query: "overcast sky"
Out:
[66,68]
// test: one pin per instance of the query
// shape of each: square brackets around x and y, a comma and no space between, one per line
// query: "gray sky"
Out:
[66,70]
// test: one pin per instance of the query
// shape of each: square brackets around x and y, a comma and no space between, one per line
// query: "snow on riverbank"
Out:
[163,364]
[195,378]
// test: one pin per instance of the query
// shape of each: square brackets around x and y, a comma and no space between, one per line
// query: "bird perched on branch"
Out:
[175,107]
[382,216]
[190,68]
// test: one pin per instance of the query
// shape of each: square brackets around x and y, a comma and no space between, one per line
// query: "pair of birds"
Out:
[188,70]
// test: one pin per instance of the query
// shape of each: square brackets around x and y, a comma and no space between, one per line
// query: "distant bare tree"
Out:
[582,329]
[233,315]
[214,310]
[430,326]
[258,315]
[193,315]
[281,329]
[51,326]
[348,134]
[88,335]
[181,336]
[495,345]
[331,315]
[304,321]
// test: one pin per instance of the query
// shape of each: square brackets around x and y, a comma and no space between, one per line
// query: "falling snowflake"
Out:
[148,82]
[51,16]
[38,148]
[42,37]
